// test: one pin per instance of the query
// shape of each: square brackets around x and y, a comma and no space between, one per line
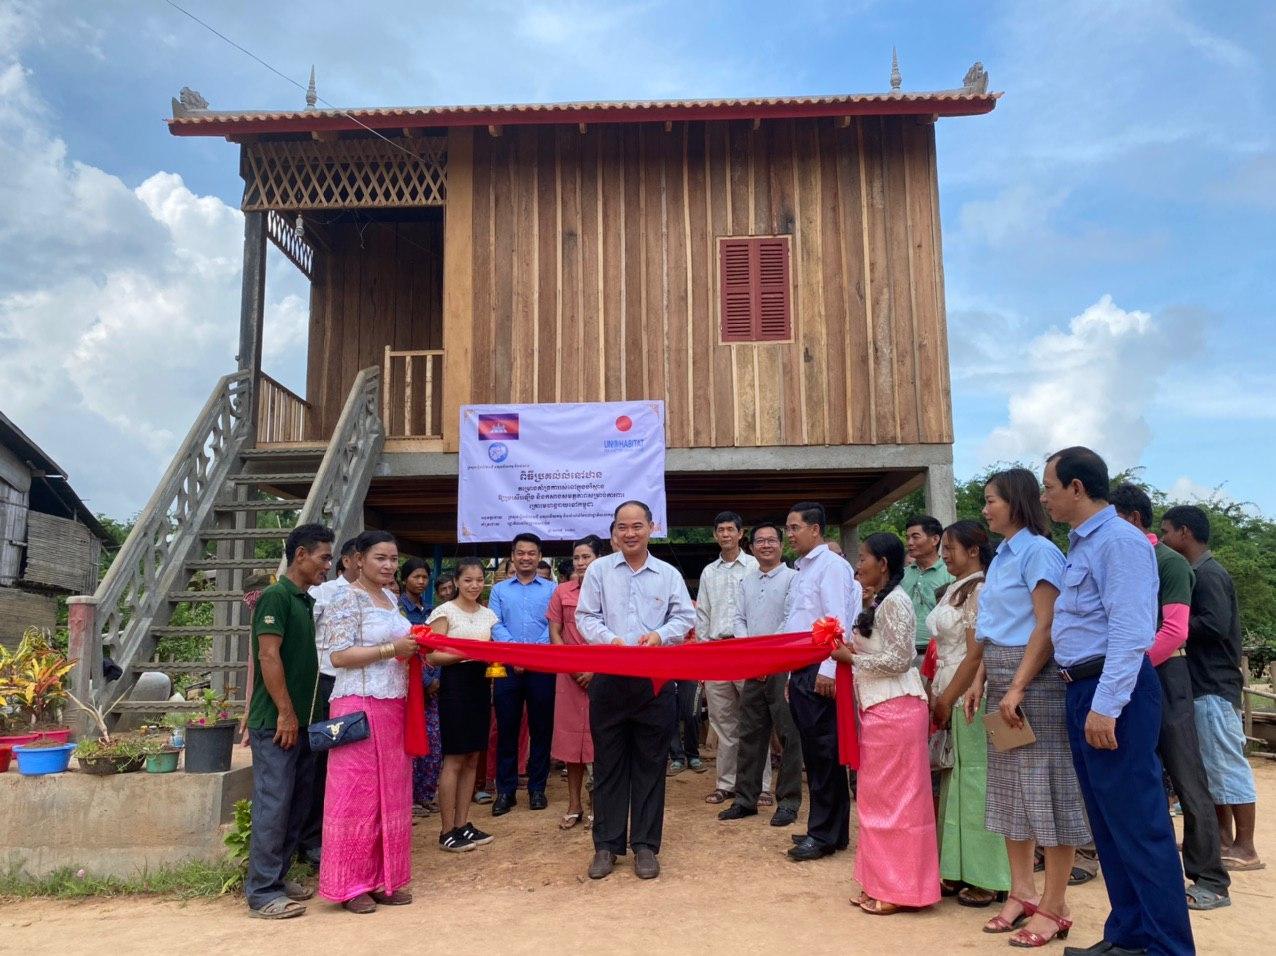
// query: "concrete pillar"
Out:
[850,541]
[941,493]
[84,645]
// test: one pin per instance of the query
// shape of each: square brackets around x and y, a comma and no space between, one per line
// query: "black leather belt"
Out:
[1083,669]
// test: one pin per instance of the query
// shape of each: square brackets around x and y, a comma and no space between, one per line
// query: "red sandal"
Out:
[1025,939]
[999,924]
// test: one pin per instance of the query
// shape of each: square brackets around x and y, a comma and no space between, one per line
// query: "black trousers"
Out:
[763,709]
[829,820]
[1181,755]
[631,728]
[312,832]
[509,696]
[685,742]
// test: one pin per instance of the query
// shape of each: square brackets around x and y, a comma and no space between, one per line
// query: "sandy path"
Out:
[726,887]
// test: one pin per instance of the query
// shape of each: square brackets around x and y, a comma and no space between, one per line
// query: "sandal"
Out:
[766,800]
[1202,898]
[975,896]
[1234,864]
[399,897]
[949,887]
[999,924]
[881,908]
[719,796]
[279,908]
[1026,939]
[861,899]
[1079,876]
[570,820]
[362,905]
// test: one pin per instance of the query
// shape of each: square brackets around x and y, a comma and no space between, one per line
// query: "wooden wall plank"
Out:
[937,241]
[766,365]
[717,213]
[677,327]
[550,348]
[898,253]
[880,291]
[928,325]
[655,279]
[809,333]
[700,285]
[784,219]
[635,346]
[482,239]
[583,185]
[459,320]
[848,282]
[611,272]
[504,268]
[740,222]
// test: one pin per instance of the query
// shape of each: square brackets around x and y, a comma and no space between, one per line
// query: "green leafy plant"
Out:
[237,841]
[214,708]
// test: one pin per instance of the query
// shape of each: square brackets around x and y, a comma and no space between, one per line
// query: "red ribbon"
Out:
[735,659]
[416,742]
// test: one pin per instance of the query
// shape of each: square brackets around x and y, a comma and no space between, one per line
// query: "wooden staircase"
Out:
[222,513]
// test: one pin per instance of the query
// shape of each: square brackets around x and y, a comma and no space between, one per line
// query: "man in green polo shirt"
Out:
[926,574]
[285,676]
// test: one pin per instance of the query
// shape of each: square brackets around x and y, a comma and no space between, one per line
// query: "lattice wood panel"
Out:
[344,174]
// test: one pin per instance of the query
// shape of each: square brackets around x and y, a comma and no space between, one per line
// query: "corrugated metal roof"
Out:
[961,102]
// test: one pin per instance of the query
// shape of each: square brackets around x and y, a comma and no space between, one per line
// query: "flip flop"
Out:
[279,908]
[1235,864]
[569,820]
[719,796]
[860,900]
[969,896]
[881,908]
[766,800]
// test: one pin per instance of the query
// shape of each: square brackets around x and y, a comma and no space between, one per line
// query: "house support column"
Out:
[252,308]
[941,496]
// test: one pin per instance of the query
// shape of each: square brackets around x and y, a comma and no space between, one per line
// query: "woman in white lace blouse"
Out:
[367,814]
[896,860]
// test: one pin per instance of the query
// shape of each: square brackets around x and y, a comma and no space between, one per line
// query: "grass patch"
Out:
[195,879]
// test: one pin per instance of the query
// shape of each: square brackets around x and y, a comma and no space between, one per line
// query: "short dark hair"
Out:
[443,579]
[625,504]
[545,564]
[1192,518]
[371,538]
[1130,499]
[529,537]
[412,564]
[347,546]
[306,536]
[565,568]
[779,531]
[729,516]
[812,512]
[1019,488]
[1078,463]
[930,526]
[469,562]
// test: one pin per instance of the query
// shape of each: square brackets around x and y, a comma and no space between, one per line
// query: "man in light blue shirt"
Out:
[631,599]
[1104,623]
[520,604]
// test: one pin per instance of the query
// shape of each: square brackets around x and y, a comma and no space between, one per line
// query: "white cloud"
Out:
[1186,490]
[1090,384]
[118,307]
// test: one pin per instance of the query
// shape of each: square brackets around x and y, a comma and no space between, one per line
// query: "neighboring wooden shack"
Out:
[50,543]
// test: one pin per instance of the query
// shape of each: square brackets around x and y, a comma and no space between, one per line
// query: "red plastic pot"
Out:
[15,739]
[60,735]
[6,754]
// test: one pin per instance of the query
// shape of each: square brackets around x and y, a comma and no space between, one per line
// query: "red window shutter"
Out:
[754,278]
[773,290]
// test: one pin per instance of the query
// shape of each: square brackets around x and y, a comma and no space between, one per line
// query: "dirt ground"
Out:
[725,887]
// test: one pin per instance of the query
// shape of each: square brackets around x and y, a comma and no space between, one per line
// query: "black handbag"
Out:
[337,731]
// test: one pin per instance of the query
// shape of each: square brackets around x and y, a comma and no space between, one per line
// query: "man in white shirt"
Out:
[630,599]
[823,587]
[761,607]
[715,621]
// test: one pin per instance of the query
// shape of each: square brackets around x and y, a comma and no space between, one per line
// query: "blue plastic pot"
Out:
[38,761]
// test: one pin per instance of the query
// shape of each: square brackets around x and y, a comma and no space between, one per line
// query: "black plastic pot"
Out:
[208,748]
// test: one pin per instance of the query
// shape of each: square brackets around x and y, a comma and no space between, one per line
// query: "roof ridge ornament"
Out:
[188,101]
[976,79]
[312,97]
[896,78]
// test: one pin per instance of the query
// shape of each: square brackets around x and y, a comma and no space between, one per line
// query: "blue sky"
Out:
[1108,236]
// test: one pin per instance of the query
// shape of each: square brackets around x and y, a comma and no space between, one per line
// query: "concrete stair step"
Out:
[274,478]
[164,706]
[200,630]
[244,534]
[209,597]
[233,564]
[234,507]
[189,667]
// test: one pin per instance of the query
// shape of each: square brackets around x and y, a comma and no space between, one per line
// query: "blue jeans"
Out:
[283,791]
[1125,800]
[685,744]
[1222,737]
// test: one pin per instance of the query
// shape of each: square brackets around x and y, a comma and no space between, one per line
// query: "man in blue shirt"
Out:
[1104,623]
[520,604]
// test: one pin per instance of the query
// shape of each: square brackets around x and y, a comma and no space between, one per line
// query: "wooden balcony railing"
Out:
[412,400]
[281,413]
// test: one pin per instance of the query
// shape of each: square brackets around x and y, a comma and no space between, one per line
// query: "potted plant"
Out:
[106,754]
[160,757]
[36,682]
[176,723]
[210,735]
[12,731]
[93,758]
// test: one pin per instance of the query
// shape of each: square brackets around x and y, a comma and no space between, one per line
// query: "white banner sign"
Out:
[558,470]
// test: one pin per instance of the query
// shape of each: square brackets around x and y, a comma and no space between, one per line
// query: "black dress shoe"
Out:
[1101,948]
[809,850]
[736,812]
[537,801]
[799,837]
[604,863]
[646,866]
[503,804]
[783,817]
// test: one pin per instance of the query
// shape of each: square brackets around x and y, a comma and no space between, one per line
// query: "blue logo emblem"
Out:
[498,452]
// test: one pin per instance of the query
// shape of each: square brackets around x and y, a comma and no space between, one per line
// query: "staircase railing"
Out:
[341,484]
[133,596]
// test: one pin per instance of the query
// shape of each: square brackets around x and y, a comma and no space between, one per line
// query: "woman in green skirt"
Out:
[969,853]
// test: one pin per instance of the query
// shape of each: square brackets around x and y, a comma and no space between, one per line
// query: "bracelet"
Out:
[386,651]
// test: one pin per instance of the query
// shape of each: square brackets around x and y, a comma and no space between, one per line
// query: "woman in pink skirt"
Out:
[367,810]
[896,859]
[572,741]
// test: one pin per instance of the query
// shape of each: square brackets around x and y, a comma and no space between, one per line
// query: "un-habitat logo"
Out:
[623,424]
[502,426]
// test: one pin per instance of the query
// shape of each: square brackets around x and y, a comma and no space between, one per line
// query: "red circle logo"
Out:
[624,423]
